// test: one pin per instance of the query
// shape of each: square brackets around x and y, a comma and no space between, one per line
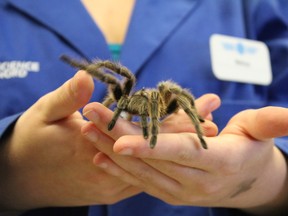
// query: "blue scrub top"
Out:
[166,39]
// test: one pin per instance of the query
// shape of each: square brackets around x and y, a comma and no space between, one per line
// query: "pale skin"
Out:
[241,169]
[111,16]
[28,174]
[46,161]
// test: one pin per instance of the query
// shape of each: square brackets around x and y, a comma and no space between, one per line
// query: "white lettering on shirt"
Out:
[17,69]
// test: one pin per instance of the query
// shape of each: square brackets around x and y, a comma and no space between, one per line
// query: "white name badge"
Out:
[240,60]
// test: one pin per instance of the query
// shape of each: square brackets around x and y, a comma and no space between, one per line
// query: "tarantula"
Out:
[149,104]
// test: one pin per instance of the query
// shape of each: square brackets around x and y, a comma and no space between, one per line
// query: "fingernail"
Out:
[214,104]
[92,116]
[126,151]
[102,165]
[92,136]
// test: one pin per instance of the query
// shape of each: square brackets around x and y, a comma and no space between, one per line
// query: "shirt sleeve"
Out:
[7,123]
[282,144]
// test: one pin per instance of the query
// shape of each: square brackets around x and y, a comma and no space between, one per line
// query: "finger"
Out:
[206,104]
[167,145]
[100,140]
[180,122]
[180,173]
[182,148]
[101,117]
[67,99]
[104,162]
[106,159]
[137,173]
[128,169]
[261,124]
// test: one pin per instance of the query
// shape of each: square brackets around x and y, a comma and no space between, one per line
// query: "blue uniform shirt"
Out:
[166,39]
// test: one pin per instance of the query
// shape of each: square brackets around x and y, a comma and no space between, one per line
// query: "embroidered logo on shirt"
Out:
[17,69]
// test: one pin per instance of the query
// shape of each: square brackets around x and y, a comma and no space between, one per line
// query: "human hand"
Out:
[47,162]
[241,168]
[96,131]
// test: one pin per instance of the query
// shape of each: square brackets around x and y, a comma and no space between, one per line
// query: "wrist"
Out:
[13,195]
[276,184]
[5,183]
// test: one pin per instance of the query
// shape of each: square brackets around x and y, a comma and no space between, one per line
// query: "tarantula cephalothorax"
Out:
[149,104]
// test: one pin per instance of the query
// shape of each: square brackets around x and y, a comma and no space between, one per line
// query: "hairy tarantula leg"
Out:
[117,68]
[123,71]
[108,101]
[197,126]
[188,95]
[121,105]
[184,99]
[73,63]
[116,115]
[93,69]
[139,105]
[155,113]
[201,119]
[144,126]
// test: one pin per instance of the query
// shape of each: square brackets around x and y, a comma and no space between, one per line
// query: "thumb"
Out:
[67,99]
[265,123]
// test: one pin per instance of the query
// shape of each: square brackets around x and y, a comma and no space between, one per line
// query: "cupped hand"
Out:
[123,166]
[241,169]
[47,162]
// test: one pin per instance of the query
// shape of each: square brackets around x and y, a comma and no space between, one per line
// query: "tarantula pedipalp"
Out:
[150,104]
